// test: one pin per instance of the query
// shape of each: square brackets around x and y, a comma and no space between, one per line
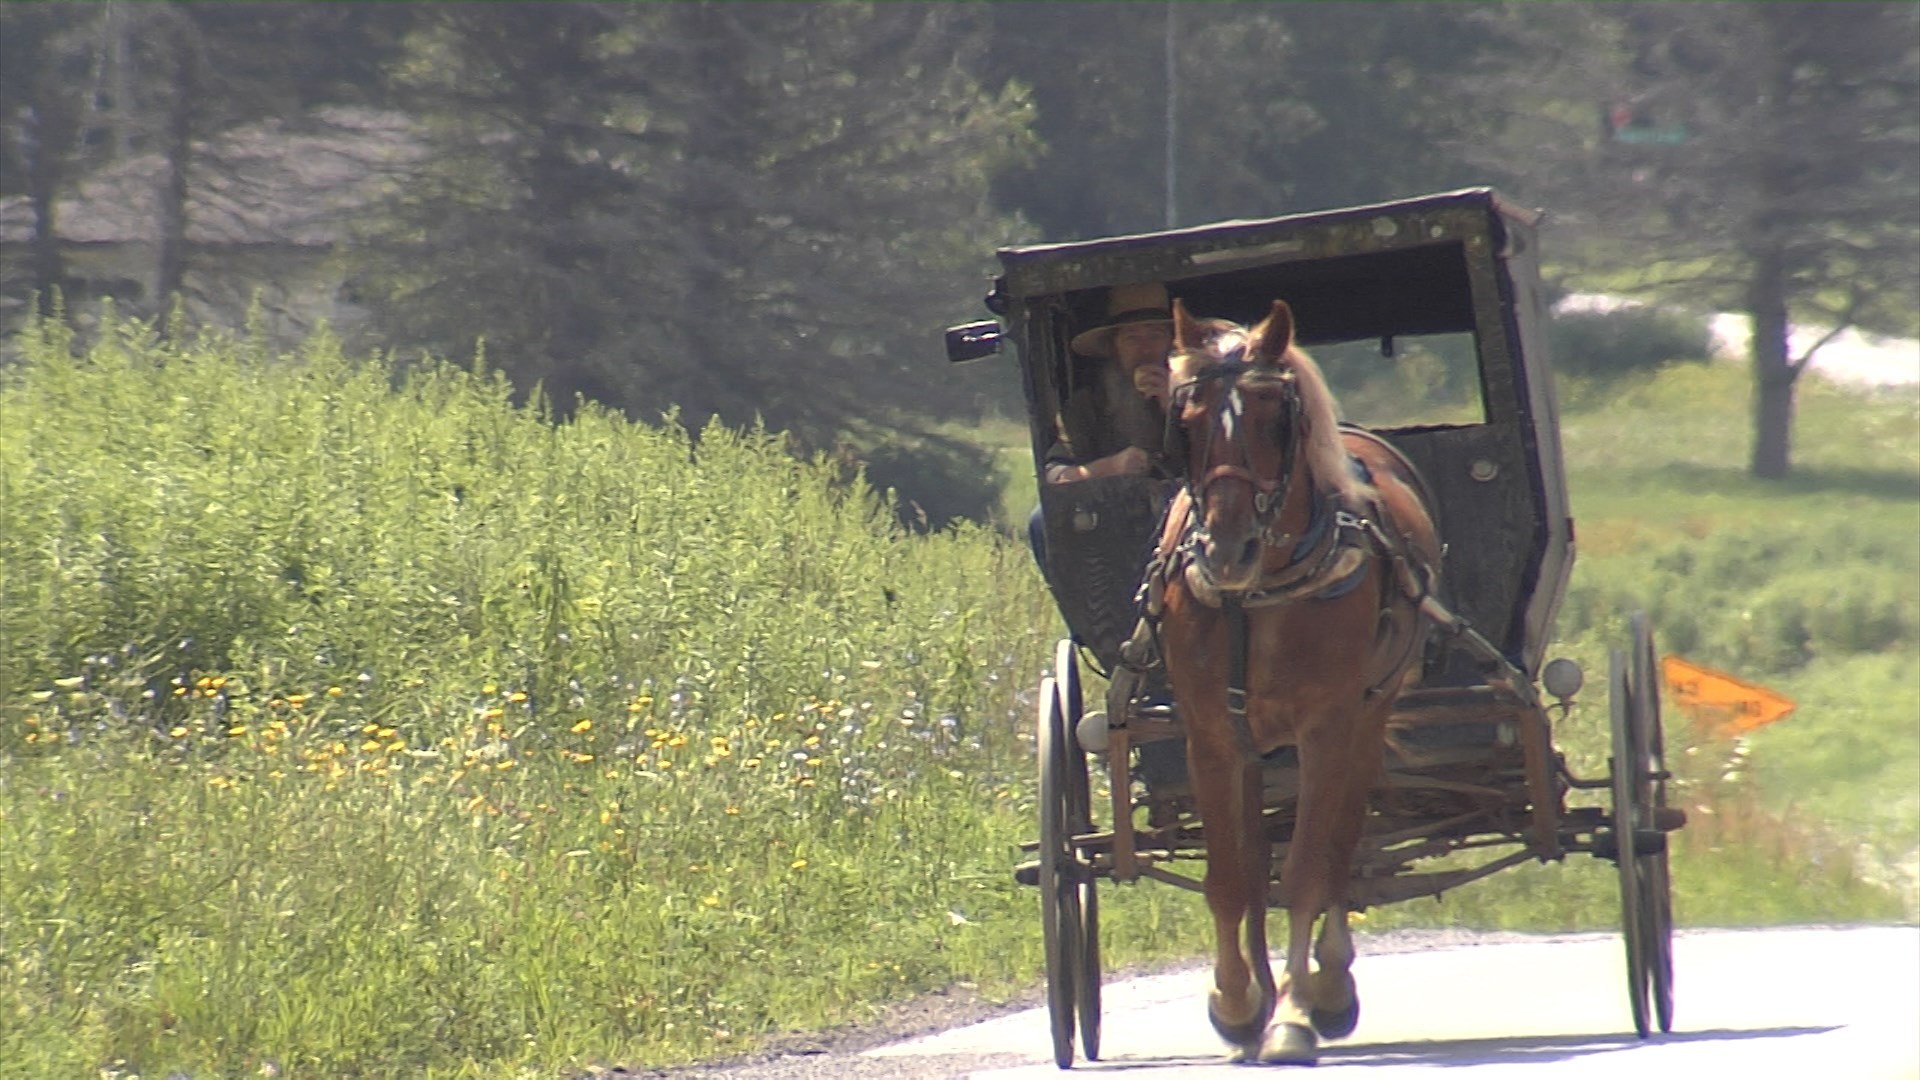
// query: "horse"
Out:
[1290,572]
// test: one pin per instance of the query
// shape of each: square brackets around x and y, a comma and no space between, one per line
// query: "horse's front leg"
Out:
[1307,890]
[1336,1005]
[1337,765]
[1224,787]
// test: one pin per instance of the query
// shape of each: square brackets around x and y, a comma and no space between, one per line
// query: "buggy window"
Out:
[1430,379]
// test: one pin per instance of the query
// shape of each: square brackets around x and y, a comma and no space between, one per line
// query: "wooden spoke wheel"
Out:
[1086,973]
[1060,874]
[1639,797]
[1656,885]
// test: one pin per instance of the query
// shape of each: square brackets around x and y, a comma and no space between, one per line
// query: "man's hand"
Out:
[1132,461]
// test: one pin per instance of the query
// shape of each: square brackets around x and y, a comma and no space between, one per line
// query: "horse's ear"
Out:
[1187,333]
[1274,336]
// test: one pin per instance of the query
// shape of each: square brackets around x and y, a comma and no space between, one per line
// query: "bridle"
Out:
[1269,493]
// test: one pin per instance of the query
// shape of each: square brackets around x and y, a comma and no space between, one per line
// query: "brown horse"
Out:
[1291,572]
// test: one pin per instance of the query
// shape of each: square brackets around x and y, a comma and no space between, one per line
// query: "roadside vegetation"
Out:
[363,726]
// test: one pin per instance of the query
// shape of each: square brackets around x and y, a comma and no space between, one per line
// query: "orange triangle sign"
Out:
[1724,705]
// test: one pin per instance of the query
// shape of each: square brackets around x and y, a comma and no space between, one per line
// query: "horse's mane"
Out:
[1325,452]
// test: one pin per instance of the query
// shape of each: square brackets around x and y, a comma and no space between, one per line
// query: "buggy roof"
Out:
[1369,271]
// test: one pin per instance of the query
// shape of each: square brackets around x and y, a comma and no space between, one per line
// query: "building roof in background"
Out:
[282,181]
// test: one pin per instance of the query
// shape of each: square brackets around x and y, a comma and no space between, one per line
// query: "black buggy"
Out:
[1427,316]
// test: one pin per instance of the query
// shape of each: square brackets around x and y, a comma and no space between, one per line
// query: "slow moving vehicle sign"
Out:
[1724,705]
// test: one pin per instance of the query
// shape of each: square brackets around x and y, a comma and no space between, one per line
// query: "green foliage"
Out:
[1609,343]
[760,210]
[361,726]
[1811,588]
[1739,573]
[372,726]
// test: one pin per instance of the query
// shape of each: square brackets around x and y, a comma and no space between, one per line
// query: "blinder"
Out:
[1268,496]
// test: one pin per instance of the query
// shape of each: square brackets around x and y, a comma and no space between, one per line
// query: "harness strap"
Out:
[1237,679]
[1332,566]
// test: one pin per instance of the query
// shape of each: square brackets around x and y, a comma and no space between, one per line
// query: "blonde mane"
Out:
[1326,454]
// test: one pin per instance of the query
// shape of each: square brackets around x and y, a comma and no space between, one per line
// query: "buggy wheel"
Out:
[1639,796]
[1656,889]
[1086,986]
[1060,913]
[1620,710]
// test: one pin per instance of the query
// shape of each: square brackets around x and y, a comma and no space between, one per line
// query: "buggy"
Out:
[1428,317]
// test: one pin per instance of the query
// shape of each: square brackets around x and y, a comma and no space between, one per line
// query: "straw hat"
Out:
[1126,304]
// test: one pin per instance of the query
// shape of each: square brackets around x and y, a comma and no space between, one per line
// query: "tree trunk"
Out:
[45,142]
[171,269]
[1774,373]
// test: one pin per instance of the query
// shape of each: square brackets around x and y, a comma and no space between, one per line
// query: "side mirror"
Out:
[971,341]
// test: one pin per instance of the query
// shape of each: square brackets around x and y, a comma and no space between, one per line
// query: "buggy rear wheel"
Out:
[1639,797]
[1656,889]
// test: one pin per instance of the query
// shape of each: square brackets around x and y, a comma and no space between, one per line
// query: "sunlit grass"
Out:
[354,727]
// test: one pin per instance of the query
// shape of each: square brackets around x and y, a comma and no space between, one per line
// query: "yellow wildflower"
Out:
[583,727]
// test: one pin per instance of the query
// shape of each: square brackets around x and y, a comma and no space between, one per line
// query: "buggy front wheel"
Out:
[1086,987]
[1061,917]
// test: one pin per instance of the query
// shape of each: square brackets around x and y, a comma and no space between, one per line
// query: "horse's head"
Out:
[1238,404]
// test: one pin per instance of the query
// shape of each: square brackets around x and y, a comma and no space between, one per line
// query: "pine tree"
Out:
[730,209]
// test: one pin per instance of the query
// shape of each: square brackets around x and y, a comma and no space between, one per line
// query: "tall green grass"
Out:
[1811,586]
[361,726]
[390,730]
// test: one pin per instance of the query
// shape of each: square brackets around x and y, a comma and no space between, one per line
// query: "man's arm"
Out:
[1131,461]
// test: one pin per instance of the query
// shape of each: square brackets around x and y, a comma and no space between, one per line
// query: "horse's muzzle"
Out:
[1231,563]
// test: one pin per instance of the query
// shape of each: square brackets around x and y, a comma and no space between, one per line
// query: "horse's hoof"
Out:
[1246,1033]
[1291,1044]
[1336,1025]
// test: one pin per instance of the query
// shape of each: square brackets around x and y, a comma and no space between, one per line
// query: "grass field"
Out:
[360,729]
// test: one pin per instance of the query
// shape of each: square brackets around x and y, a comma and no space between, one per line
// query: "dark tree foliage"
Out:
[87,85]
[1275,108]
[771,209]
[727,209]
[42,57]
